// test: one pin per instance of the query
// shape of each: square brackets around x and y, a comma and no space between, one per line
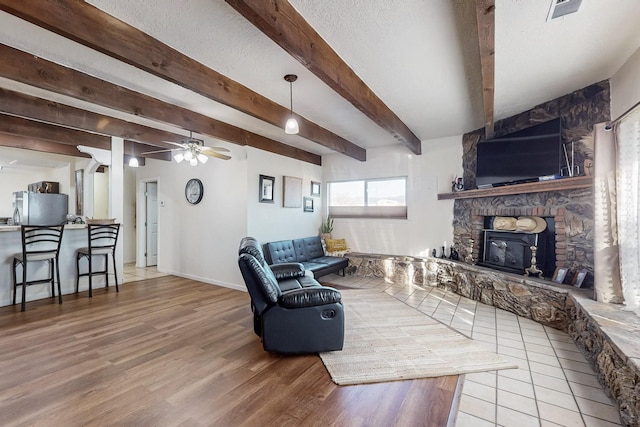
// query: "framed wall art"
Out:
[308,204]
[292,190]
[315,189]
[267,184]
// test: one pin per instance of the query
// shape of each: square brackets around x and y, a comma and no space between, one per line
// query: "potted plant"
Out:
[326,228]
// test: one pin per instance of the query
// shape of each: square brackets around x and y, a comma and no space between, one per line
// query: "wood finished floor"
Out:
[172,351]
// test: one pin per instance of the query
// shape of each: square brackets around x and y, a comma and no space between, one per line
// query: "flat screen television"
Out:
[523,156]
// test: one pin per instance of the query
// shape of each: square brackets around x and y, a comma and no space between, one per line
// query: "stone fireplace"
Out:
[570,209]
[568,240]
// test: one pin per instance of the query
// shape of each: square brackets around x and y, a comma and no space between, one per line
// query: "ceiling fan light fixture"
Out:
[193,161]
[203,159]
[178,157]
[188,155]
[291,127]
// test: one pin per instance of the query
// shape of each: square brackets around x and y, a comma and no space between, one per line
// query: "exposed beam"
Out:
[29,69]
[36,134]
[285,26]
[28,143]
[79,21]
[18,126]
[485,17]
[22,105]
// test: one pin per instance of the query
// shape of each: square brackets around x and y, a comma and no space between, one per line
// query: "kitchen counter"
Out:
[17,227]
[74,237]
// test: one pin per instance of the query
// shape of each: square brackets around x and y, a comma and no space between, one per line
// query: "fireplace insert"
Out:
[511,250]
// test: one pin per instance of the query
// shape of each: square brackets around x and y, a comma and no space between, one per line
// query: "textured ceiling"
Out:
[419,56]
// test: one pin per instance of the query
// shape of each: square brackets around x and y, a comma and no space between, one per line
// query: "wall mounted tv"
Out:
[523,156]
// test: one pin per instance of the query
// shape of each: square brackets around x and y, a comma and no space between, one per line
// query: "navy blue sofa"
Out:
[306,251]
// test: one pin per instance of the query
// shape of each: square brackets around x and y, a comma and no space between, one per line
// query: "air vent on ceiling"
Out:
[562,7]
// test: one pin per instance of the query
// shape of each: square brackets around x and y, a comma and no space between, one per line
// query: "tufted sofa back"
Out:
[281,251]
[297,250]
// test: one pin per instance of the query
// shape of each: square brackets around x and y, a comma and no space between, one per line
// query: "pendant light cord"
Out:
[291,98]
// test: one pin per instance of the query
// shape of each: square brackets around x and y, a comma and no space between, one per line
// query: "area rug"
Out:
[387,340]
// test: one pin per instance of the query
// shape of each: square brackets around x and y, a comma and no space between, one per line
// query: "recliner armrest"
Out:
[309,297]
[287,270]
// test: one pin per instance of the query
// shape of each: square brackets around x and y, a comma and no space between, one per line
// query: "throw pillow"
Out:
[334,245]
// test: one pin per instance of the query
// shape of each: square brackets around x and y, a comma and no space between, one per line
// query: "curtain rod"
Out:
[622,116]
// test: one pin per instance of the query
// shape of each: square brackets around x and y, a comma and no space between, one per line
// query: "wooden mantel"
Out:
[531,187]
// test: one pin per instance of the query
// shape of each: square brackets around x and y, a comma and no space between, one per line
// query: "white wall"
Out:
[200,241]
[429,221]
[625,86]
[270,221]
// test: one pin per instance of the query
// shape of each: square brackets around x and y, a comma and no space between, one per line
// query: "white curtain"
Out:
[627,134]
[606,263]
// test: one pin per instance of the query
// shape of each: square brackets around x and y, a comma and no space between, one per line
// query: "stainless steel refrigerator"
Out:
[41,208]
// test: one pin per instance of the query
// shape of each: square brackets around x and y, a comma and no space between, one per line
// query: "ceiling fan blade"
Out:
[155,152]
[176,144]
[218,155]
[213,149]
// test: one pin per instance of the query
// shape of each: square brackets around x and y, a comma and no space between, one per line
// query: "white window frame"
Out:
[380,212]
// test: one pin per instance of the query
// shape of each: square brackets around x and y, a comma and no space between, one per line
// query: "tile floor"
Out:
[133,273]
[554,385]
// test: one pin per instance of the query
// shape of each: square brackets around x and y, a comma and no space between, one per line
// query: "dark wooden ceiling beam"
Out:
[42,132]
[33,144]
[285,26]
[18,126]
[27,106]
[41,73]
[78,21]
[485,18]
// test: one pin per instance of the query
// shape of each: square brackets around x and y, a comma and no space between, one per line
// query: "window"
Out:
[370,198]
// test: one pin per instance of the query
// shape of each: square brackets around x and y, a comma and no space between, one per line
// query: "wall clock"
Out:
[193,191]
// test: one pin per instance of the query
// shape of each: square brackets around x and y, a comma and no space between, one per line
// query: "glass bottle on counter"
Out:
[16,216]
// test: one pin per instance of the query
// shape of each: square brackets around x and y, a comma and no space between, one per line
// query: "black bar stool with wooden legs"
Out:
[39,243]
[102,241]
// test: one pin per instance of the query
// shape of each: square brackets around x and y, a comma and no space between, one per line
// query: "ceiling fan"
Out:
[193,150]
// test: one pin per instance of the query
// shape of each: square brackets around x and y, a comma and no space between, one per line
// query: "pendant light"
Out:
[133,161]
[291,127]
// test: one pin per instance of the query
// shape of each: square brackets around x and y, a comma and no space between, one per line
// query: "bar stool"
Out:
[102,241]
[39,243]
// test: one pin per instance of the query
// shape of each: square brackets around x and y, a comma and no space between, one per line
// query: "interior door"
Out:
[151,221]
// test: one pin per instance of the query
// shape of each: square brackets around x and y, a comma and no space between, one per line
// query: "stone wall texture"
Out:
[525,296]
[578,110]
[610,340]
[574,222]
